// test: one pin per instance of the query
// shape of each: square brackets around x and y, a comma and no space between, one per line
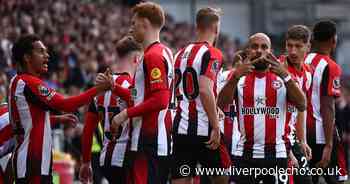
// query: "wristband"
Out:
[287,78]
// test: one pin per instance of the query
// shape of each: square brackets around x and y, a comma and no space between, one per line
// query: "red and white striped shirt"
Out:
[304,80]
[262,108]
[325,82]
[102,109]
[154,74]
[190,62]
[30,103]
[229,126]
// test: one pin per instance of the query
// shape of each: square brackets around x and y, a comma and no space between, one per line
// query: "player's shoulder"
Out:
[30,80]
[332,65]
[123,79]
[215,52]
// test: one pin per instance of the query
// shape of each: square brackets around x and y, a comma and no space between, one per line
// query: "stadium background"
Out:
[80,35]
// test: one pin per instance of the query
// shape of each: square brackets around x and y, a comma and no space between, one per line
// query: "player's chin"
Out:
[44,70]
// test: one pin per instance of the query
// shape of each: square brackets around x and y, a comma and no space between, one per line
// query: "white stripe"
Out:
[121,146]
[183,124]
[162,135]
[4,120]
[315,99]
[309,58]
[240,86]
[281,103]
[137,121]
[106,102]
[26,120]
[47,146]
[235,135]
[259,119]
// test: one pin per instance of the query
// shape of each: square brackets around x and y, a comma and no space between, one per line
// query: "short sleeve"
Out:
[38,93]
[330,84]
[211,65]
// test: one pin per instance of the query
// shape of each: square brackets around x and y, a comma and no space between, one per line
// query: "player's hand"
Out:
[221,115]
[326,157]
[306,150]
[214,141]
[69,119]
[242,69]
[85,173]
[104,81]
[117,123]
[293,160]
[276,67]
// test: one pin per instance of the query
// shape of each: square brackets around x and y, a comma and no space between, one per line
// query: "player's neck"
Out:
[297,66]
[204,37]
[322,49]
[30,71]
[151,37]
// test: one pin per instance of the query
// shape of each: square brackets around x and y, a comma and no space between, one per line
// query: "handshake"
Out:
[104,81]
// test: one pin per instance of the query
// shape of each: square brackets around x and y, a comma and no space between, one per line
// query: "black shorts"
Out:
[188,151]
[303,164]
[114,174]
[242,163]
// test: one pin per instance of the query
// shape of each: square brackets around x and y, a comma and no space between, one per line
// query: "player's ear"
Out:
[26,59]
[308,47]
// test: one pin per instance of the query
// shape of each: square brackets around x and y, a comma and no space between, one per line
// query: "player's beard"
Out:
[260,65]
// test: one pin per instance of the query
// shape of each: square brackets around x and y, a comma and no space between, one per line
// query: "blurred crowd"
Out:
[80,36]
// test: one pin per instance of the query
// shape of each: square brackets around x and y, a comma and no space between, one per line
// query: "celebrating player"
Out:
[151,118]
[262,87]
[30,104]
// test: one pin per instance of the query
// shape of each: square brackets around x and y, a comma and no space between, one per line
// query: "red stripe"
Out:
[248,101]
[224,155]
[3,110]
[36,139]
[270,126]
[14,115]
[100,100]
[341,161]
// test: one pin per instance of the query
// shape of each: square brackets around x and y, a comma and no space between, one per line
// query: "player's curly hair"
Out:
[24,45]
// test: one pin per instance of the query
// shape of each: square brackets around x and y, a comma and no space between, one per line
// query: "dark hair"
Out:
[324,30]
[151,11]
[207,16]
[24,45]
[299,32]
[126,45]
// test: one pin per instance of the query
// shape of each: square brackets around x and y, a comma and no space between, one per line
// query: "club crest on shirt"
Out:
[215,66]
[336,83]
[276,84]
[156,73]
[43,91]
